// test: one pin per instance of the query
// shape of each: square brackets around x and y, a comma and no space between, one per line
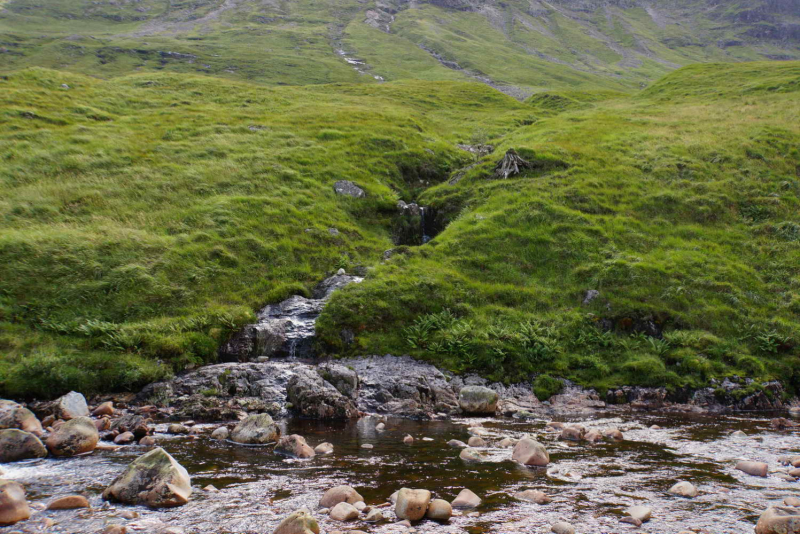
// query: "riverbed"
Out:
[590,485]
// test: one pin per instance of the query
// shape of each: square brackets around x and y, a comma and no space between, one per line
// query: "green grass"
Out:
[680,205]
[152,214]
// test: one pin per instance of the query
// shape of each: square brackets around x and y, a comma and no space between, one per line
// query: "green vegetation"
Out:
[679,205]
[144,219]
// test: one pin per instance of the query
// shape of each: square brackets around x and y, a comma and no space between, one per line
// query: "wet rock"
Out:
[380,427]
[475,441]
[779,520]
[147,441]
[408,440]
[349,189]
[106,408]
[534,496]
[439,510]
[642,513]
[374,516]
[76,436]
[593,436]
[756,469]
[471,455]
[102,424]
[257,429]
[572,433]
[70,502]
[506,443]
[456,444]
[294,446]
[154,479]
[299,522]
[313,397]
[791,501]
[340,494]
[555,426]
[530,452]
[13,415]
[466,499]
[360,506]
[631,521]
[344,512]
[345,380]
[220,433]
[176,428]
[781,423]
[412,504]
[613,434]
[563,527]
[115,529]
[13,505]
[324,448]
[124,438]
[738,434]
[684,489]
[16,445]
[70,406]
[477,400]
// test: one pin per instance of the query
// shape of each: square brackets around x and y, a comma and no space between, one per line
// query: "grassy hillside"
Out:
[143,219]
[679,205]
[563,44]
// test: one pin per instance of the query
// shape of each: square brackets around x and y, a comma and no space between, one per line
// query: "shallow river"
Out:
[590,484]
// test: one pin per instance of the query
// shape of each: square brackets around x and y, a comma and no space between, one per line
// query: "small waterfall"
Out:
[425,236]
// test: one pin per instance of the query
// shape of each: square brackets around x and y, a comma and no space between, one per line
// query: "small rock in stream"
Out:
[439,510]
[295,446]
[684,489]
[642,513]
[299,522]
[339,494]
[456,444]
[13,505]
[466,499]
[344,512]
[534,496]
[324,448]
[220,433]
[562,527]
[154,479]
[70,406]
[478,400]
[16,445]
[475,441]
[70,502]
[779,520]
[756,469]
[257,429]
[76,436]
[530,452]
[471,455]
[412,504]
[408,440]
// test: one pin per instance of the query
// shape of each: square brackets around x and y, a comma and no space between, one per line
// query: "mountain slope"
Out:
[518,46]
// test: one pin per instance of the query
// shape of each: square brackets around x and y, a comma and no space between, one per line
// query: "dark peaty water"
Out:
[590,484]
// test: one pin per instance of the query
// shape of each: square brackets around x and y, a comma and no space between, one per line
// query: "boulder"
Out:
[18,445]
[154,479]
[613,434]
[76,436]
[593,436]
[477,400]
[324,448]
[534,496]
[257,429]
[374,516]
[13,505]
[507,443]
[412,504]
[13,415]
[572,433]
[562,527]
[642,513]
[106,408]
[299,522]
[684,489]
[757,469]
[439,510]
[466,499]
[344,512]
[70,502]
[348,189]
[70,406]
[471,455]
[476,441]
[220,433]
[345,380]
[791,501]
[295,446]
[530,452]
[779,520]
[124,438]
[339,494]
[456,444]
[313,397]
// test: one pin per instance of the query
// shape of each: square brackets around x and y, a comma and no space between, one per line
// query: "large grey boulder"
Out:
[343,379]
[76,436]
[311,396]
[13,505]
[70,406]
[154,479]
[18,445]
[257,429]
[348,189]
[13,415]
[299,522]
[779,520]
[477,400]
